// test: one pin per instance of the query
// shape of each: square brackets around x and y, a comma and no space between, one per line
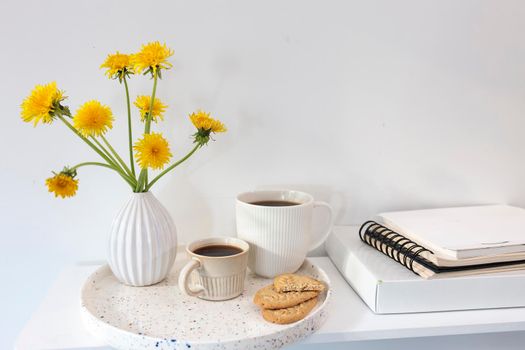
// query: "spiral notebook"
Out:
[452,241]
[388,287]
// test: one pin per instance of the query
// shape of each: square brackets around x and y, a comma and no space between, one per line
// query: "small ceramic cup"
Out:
[215,277]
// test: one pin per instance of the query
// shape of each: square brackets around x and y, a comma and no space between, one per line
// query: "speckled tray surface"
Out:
[161,317]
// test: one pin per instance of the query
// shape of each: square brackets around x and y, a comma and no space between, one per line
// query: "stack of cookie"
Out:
[289,299]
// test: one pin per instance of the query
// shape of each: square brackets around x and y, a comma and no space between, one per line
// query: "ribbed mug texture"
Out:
[143,241]
[279,237]
[219,287]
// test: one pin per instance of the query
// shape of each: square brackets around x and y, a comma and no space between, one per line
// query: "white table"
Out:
[350,325]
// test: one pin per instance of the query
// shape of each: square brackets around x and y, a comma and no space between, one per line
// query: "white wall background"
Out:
[369,105]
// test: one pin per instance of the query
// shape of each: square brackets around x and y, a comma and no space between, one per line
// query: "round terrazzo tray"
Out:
[161,317]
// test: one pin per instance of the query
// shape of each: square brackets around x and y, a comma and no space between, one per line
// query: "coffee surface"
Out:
[217,250]
[275,203]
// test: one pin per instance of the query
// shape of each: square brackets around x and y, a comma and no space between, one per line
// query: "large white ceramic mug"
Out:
[279,236]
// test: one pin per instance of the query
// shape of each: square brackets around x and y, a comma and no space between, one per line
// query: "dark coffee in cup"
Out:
[217,250]
[275,203]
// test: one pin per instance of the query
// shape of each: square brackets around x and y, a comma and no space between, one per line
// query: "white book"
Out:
[388,287]
[463,232]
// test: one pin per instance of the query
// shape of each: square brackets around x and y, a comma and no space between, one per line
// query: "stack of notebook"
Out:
[473,255]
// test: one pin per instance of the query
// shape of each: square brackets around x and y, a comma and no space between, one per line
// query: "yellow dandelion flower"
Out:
[93,119]
[42,103]
[205,126]
[143,104]
[63,184]
[117,64]
[202,121]
[152,151]
[151,56]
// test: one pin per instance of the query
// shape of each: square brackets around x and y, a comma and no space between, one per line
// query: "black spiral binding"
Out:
[394,245]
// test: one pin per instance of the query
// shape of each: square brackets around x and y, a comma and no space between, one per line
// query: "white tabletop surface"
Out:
[56,324]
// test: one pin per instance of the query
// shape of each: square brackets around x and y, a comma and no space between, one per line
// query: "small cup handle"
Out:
[184,278]
[316,244]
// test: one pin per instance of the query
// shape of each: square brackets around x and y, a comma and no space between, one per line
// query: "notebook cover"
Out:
[462,232]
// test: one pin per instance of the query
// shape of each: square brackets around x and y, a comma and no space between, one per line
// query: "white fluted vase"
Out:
[143,241]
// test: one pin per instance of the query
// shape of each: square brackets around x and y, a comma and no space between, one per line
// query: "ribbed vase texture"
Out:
[142,242]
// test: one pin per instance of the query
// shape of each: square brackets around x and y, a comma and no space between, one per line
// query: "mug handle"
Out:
[324,236]
[184,278]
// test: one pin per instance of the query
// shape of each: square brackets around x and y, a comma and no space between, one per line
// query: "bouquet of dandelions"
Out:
[93,120]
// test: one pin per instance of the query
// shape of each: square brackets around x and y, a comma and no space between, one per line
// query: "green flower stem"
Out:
[130,134]
[113,162]
[150,116]
[140,181]
[100,153]
[105,166]
[92,163]
[171,167]
[143,177]
[107,153]
[72,128]
[122,163]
